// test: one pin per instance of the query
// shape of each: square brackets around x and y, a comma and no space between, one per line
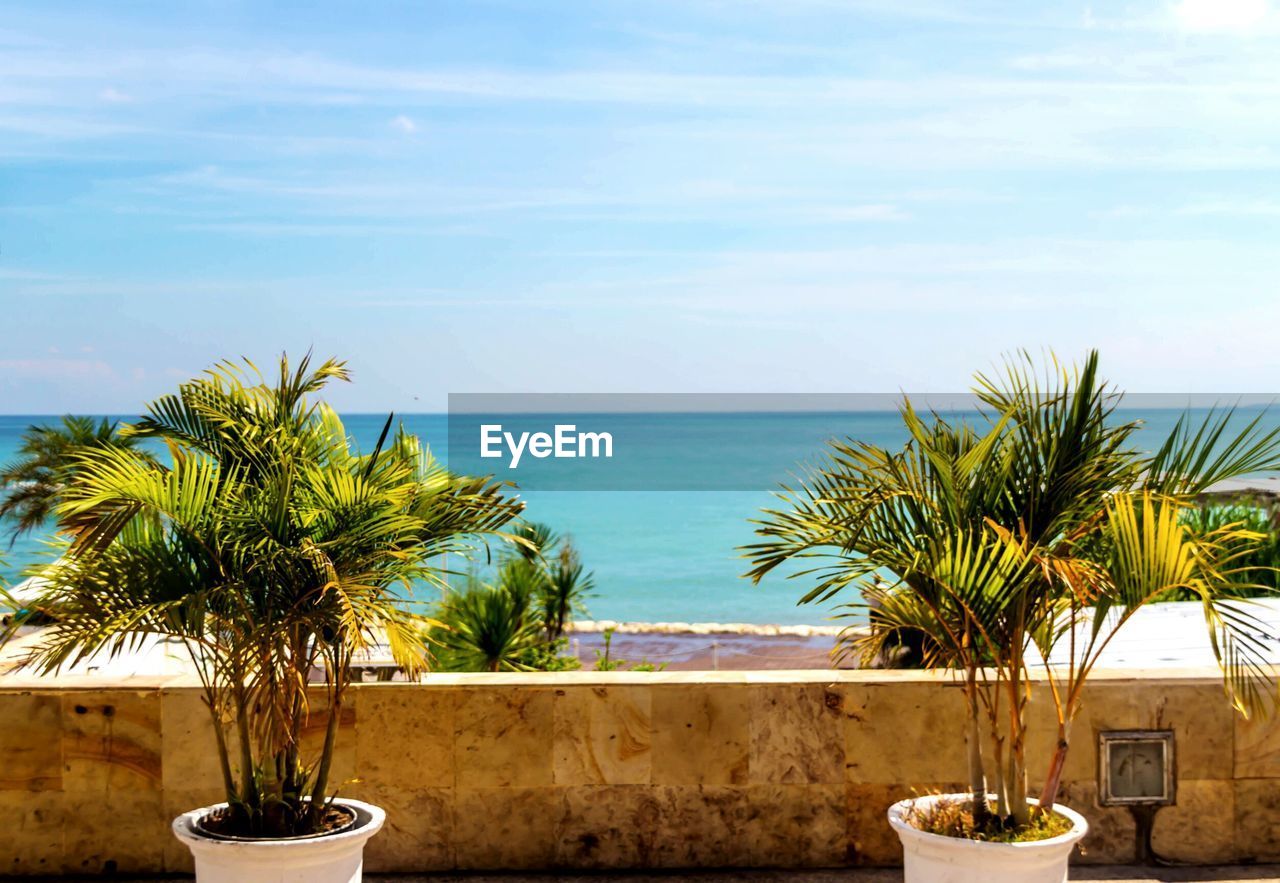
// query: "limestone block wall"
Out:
[615,770]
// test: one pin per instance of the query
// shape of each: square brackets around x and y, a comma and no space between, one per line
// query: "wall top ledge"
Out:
[17,682]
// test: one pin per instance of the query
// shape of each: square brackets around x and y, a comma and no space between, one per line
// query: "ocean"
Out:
[664,555]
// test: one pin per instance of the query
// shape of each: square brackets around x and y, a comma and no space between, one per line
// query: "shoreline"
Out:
[590,626]
[682,646]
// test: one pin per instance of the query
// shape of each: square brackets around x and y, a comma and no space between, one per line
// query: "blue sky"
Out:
[615,196]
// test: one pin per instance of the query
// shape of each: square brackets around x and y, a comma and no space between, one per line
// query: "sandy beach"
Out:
[709,646]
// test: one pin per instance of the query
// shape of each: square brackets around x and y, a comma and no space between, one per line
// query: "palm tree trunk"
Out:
[1053,782]
[224,758]
[973,741]
[1001,785]
[248,790]
[1017,776]
[326,757]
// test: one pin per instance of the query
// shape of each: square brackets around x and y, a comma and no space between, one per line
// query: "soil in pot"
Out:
[954,818]
[225,823]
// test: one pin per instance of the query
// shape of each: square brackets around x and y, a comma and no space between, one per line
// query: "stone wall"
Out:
[588,770]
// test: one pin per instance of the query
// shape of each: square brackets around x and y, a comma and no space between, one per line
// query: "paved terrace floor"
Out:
[1124,874]
[1131,875]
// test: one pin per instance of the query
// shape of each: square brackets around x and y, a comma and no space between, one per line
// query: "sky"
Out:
[635,195]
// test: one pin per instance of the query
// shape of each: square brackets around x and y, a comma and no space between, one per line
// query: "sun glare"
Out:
[1221,15]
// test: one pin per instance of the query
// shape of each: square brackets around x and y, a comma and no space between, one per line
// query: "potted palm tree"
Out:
[276,554]
[1031,533]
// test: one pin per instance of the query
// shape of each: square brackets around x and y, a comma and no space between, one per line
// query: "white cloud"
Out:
[112,95]
[1241,208]
[1208,16]
[1122,212]
[378,199]
[57,369]
[1105,102]
[868,212]
[404,124]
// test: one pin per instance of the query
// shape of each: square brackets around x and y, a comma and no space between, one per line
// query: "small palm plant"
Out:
[518,622]
[533,541]
[270,548]
[1036,533]
[486,628]
[565,590]
[48,457]
[552,569]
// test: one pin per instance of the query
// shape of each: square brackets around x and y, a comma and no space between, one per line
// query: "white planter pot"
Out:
[329,858]
[933,858]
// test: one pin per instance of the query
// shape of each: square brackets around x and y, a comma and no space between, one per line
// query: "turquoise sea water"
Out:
[663,555]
